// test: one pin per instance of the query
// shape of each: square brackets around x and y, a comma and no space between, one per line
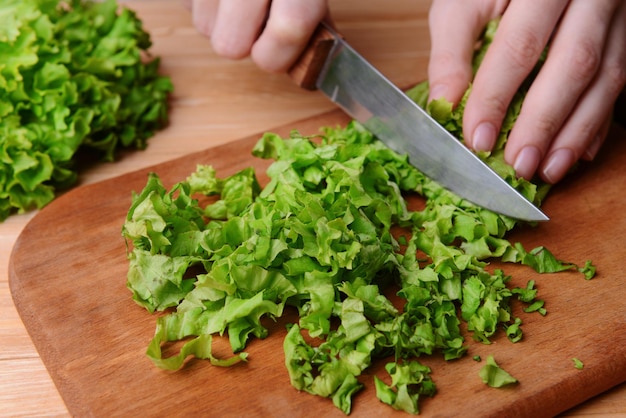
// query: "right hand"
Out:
[272,32]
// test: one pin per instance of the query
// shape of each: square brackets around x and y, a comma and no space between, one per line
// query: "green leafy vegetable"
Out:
[494,376]
[199,347]
[72,76]
[408,382]
[330,236]
[536,306]
[589,270]
[578,364]
[325,247]
[331,369]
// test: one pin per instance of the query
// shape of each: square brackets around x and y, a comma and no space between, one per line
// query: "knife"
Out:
[333,67]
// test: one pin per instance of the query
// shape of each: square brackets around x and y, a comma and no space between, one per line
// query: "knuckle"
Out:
[227,49]
[291,29]
[587,129]
[585,61]
[547,125]
[286,31]
[616,75]
[523,47]
[446,67]
[202,25]
[496,105]
[443,59]
[218,47]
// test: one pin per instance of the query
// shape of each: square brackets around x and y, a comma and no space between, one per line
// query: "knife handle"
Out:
[307,68]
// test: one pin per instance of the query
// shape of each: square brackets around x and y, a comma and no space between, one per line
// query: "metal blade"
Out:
[370,98]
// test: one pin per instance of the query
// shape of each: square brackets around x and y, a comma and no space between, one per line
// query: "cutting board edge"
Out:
[30,321]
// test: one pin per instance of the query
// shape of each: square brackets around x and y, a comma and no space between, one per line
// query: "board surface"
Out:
[68,280]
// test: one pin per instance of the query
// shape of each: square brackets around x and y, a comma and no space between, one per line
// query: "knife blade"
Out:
[333,67]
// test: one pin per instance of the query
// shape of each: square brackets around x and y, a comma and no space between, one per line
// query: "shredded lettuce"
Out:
[326,246]
[332,235]
[408,382]
[578,364]
[73,75]
[495,376]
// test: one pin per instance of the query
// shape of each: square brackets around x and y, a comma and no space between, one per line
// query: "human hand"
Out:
[567,111]
[273,33]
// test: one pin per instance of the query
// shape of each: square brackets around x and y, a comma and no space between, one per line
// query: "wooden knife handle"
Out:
[307,68]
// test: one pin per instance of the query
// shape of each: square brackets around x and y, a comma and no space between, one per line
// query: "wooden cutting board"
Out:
[68,280]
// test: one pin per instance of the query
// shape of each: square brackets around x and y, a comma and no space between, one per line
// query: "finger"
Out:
[287,32]
[203,14]
[522,35]
[455,25]
[237,26]
[598,140]
[587,126]
[572,63]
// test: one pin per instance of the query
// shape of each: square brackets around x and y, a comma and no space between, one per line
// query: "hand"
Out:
[273,33]
[567,111]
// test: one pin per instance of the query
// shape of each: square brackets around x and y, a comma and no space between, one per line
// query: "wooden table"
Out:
[217,101]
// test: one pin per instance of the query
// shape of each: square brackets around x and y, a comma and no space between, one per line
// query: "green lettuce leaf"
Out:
[409,381]
[495,376]
[73,76]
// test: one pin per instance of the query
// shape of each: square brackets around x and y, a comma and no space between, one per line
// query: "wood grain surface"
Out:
[68,266]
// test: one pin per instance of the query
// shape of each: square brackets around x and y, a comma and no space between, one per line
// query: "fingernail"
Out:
[593,148]
[484,137]
[437,91]
[559,162]
[527,161]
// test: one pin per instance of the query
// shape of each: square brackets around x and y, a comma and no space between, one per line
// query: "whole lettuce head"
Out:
[72,74]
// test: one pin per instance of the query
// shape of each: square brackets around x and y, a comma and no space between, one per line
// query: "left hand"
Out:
[567,111]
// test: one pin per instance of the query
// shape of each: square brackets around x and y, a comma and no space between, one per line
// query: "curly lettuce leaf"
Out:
[72,77]
[199,347]
[495,376]
[329,370]
[409,381]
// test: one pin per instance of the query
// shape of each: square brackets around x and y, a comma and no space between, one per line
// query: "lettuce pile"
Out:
[73,74]
[332,235]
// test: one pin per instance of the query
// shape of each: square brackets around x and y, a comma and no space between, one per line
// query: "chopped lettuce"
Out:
[495,376]
[331,235]
[327,247]
[72,76]
[330,369]
[408,381]
[578,364]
